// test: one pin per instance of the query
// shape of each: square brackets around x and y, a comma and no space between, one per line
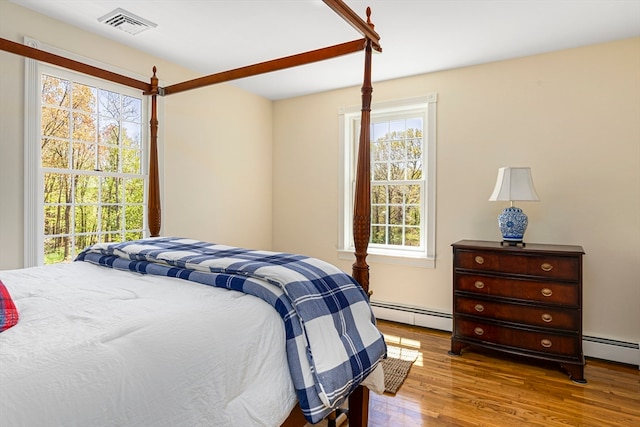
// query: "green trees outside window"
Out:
[396,181]
[92,155]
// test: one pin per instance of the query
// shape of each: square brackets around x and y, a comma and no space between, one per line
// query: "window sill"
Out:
[374,256]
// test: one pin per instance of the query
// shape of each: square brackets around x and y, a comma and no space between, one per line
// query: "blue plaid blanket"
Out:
[332,341]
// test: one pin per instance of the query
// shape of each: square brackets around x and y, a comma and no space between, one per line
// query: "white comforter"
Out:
[102,347]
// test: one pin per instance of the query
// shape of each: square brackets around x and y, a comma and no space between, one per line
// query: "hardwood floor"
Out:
[485,389]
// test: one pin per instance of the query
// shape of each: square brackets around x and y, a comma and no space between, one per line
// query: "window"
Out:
[402,181]
[86,179]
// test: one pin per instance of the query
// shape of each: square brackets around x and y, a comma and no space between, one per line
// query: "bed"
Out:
[128,335]
[96,363]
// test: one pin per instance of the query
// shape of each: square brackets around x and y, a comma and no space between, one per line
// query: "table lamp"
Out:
[513,184]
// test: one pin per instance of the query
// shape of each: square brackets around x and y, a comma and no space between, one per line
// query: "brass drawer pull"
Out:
[546,343]
[546,292]
[546,267]
[547,317]
[478,331]
[479,260]
[479,308]
[479,284]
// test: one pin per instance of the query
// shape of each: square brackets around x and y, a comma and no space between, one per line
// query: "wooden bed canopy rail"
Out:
[359,400]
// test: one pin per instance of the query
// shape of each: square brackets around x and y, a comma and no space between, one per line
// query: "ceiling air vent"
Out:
[126,21]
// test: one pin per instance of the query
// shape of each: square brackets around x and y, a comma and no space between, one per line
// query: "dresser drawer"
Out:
[548,266]
[547,317]
[567,294]
[540,342]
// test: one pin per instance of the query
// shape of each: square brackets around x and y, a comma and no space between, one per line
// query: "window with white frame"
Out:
[87,160]
[402,180]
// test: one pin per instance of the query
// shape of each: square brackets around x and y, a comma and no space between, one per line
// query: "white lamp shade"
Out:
[514,184]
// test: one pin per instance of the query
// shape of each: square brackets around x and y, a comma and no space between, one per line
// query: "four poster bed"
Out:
[117,368]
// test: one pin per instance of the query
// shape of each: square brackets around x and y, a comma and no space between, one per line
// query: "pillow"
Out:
[8,310]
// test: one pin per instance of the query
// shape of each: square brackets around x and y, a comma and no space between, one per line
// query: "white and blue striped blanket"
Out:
[332,341]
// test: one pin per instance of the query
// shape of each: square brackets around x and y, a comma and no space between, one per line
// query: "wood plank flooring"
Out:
[480,388]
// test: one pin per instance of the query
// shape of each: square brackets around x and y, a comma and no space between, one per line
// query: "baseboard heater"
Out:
[596,347]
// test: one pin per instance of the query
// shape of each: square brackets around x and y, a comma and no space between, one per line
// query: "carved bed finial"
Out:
[153,85]
[369,18]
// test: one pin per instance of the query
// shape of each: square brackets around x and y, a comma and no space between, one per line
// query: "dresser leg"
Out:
[576,372]
[456,347]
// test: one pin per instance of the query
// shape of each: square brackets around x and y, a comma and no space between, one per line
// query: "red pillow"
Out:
[8,310]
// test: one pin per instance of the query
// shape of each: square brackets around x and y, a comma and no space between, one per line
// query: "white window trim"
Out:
[33,215]
[425,258]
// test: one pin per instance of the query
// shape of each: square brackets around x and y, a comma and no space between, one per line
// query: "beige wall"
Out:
[218,172]
[216,188]
[573,116]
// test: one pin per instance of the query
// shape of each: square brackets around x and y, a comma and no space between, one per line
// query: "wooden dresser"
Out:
[524,300]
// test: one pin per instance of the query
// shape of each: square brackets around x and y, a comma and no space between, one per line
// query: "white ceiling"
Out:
[417,36]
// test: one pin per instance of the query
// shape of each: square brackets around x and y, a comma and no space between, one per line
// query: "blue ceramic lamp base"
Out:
[513,223]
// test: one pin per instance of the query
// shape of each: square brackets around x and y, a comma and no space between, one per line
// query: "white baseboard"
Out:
[615,351]
[412,316]
[599,348]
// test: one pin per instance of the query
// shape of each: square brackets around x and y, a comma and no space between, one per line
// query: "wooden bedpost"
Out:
[153,213]
[359,399]
[362,201]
